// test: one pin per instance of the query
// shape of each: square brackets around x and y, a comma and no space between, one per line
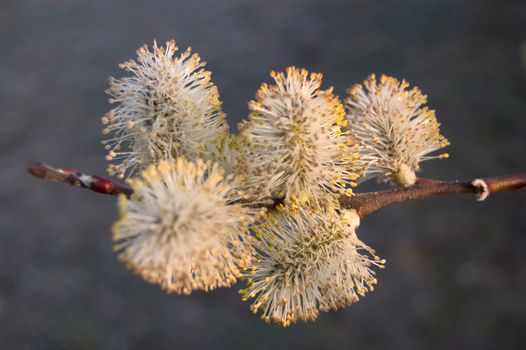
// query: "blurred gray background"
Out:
[456,272]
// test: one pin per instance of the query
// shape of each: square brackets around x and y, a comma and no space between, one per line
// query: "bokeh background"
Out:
[456,272]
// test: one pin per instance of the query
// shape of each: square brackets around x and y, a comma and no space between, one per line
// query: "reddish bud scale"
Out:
[102,185]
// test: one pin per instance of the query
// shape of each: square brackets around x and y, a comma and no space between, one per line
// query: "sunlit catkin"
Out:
[394,129]
[183,228]
[308,262]
[297,148]
[167,108]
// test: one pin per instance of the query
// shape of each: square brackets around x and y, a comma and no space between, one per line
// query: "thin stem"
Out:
[367,203]
[76,178]
[364,203]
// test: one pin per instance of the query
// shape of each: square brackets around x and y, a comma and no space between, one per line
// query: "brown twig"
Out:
[367,203]
[78,179]
[364,203]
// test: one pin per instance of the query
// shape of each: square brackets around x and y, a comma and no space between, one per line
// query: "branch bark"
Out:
[367,203]
[76,178]
[363,203]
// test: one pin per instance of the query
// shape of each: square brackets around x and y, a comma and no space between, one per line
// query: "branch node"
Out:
[482,188]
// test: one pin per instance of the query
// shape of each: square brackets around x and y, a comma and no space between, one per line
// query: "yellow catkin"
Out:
[297,147]
[394,129]
[168,107]
[183,227]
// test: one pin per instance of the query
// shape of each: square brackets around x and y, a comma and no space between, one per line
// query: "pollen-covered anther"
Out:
[183,228]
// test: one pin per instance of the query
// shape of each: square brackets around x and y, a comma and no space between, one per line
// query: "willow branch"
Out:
[76,178]
[363,203]
[367,203]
